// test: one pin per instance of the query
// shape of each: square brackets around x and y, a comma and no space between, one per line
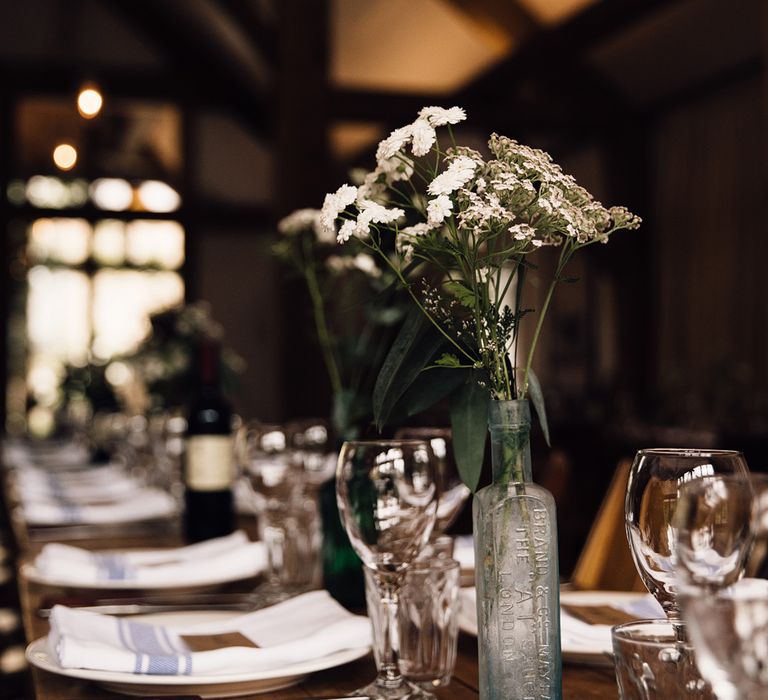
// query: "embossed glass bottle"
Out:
[516,569]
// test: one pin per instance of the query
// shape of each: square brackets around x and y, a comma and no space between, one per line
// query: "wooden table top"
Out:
[579,682]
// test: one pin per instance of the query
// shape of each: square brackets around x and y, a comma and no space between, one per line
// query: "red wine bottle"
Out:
[209,467]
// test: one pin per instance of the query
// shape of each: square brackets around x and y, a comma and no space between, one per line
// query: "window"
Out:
[98,249]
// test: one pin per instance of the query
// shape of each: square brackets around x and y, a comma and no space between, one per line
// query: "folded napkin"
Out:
[575,634]
[96,485]
[54,454]
[301,629]
[142,504]
[222,559]
[464,551]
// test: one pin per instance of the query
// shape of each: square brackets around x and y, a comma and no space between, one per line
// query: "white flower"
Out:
[522,232]
[393,143]
[404,247]
[438,116]
[423,137]
[346,231]
[335,203]
[366,264]
[398,167]
[438,209]
[371,187]
[460,171]
[370,212]
[336,263]
[300,220]
[379,214]
[421,229]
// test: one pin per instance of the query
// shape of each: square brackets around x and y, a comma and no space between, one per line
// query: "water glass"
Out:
[722,530]
[292,535]
[427,620]
[653,664]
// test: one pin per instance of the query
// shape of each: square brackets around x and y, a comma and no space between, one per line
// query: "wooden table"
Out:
[579,682]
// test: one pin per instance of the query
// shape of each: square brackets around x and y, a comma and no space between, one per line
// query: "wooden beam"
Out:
[215,58]
[256,23]
[6,146]
[301,180]
[505,19]
[550,68]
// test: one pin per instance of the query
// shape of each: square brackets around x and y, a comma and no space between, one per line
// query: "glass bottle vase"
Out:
[516,569]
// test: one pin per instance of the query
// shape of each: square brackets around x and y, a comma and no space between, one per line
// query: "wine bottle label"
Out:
[210,462]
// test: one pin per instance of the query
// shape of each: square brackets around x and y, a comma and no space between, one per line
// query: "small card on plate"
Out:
[599,614]
[211,642]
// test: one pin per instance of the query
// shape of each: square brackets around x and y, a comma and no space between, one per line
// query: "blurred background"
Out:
[148,148]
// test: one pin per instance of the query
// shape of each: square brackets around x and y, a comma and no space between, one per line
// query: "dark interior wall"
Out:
[710,190]
[236,274]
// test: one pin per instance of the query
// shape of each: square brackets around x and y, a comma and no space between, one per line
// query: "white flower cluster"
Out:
[362,262]
[305,220]
[369,212]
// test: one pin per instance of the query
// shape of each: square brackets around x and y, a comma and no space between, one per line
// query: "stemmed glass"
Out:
[387,498]
[652,493]
[721,525]
[451,490]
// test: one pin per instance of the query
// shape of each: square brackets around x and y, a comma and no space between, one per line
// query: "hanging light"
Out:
[65,156]
[89,101]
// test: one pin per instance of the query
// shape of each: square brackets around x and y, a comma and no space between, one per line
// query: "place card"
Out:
[599,614]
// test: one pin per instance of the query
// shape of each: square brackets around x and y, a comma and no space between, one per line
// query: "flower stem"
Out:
[565,255]
[321,324]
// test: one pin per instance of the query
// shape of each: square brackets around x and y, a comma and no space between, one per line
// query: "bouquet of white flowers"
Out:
[473,222]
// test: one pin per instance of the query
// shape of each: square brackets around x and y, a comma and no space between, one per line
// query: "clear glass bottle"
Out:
[516,569]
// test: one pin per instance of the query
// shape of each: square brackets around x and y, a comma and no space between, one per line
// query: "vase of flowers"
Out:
[460,232]
[518,593]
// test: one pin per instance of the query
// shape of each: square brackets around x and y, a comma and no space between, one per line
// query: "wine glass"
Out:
[652,492]
[451,490]
[387,498]
[721,525]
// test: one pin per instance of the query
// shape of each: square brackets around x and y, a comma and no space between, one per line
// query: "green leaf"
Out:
[414,347]
[448,359]
[469,424]
[465,296]
[537,399]
[429,387]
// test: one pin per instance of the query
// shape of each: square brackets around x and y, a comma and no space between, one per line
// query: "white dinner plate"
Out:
[220,686]
[593,651]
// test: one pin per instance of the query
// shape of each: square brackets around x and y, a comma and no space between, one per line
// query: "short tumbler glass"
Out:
[652,664]
[427,624]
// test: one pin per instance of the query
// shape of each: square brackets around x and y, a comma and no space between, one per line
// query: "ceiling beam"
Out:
[503,19]
[257,23]
[551,69]
[207,47]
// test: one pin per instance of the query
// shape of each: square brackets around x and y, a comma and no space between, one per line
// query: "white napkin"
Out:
[142,504]
[576,635]
[54,454]
[302,629]
[464,551]
[222,559]
[94,485]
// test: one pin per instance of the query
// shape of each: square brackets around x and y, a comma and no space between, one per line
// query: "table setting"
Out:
[317,555]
